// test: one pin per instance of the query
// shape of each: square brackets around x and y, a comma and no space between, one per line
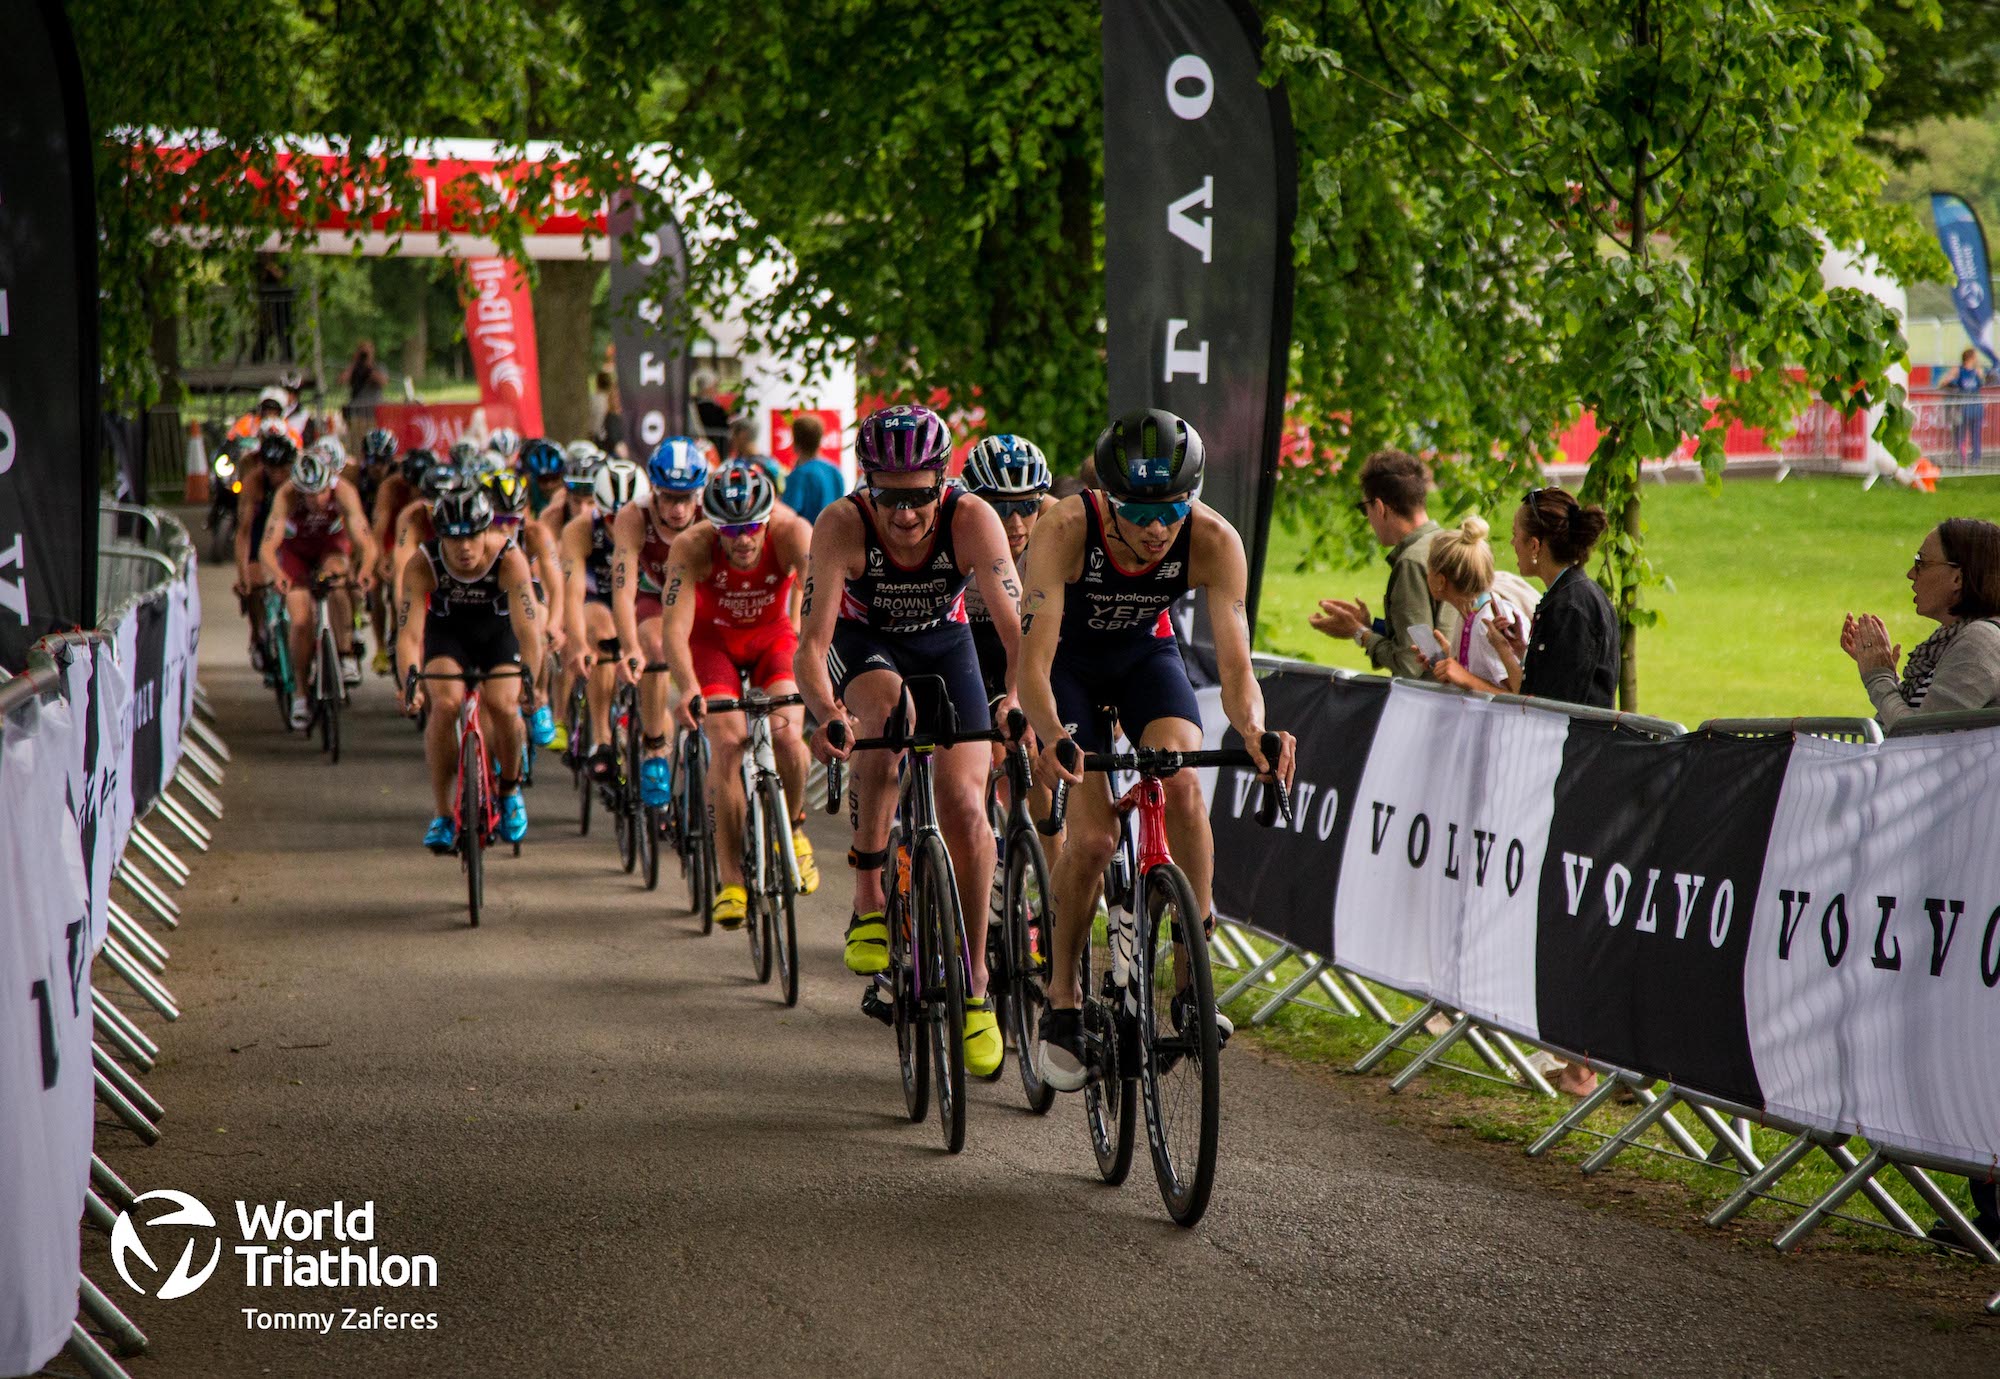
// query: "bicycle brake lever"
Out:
[1276,800]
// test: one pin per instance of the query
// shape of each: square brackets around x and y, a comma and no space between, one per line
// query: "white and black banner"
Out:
[648,268]
[1806,927]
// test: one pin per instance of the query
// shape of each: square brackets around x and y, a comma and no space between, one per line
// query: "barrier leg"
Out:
[127,1085]
[143,945]
[202,705]
[155,995]
[1993,1307]
[1575,1117]
[1762,1181]
[97,1213]
[202,762]
[1337,981]
[1431,1053]
[1228,948]
[1730,1143]
[188,826]
[1529,1072]
[1394,1038]
[195,791]
[1291,990]
[123,1032]
[210,740]
[1830,1201]
[1878,1196]
[160,854]
[142,886]
[135,1119]
[1254,975]
[1655,1112]
[127,1338]
[115,1189]
[1477,1039]
[1949,1213]
[96,1361]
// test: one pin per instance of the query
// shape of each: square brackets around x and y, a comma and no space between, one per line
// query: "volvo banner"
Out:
[645,330]
[1200,184]
[1964,242]
[48,335]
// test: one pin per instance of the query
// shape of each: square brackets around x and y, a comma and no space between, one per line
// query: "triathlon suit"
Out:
[910,619]
[597,564]
[653,556]
[260,517]
[743,623]
[985,641]
[467,619]
[1117,647]
[314,530]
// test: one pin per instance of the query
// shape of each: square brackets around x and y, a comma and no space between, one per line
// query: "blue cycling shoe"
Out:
[441,836]
[513,817]
[542,725]
[656,783]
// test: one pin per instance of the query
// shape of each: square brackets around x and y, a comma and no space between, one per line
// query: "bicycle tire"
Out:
[936,895]
[697,864]
[782,897]
[1110,1099]
[1025,900]
[579,752]
[753,898]
[328,691]
[1179,1077]
[653,824]
[472,830]
[281,680]
[625,822]
[912,1061]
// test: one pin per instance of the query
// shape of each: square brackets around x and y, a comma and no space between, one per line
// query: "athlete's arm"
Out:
[1218,567]
[687,566]
[274,533]
[794,536]
[575,551]
[1055,558]
[356,521]
[525,613]
[982,543]
[628,534]
[246,518]
[541,552]
[384,523]
[836,553]
[412,607]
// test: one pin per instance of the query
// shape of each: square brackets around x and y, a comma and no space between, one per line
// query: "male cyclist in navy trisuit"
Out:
[1103,570]
[885,600]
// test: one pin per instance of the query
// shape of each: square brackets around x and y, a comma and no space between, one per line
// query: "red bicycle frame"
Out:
[472,743]
[1147,796]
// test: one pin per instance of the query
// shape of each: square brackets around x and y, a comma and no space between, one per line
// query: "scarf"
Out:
[1923,663]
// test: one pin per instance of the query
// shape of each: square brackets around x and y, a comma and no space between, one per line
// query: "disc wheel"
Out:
[697,866]
[1178,1073]
[1028,932]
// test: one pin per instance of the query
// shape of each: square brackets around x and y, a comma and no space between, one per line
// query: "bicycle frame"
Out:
[760,763]
[472,742]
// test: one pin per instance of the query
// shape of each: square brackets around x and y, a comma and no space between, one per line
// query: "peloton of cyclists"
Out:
[307,535]
[729,611]
[884,600]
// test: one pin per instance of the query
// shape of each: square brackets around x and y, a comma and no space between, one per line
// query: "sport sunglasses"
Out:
[1146,514]
[1015,507]
[904,497]
[740,529]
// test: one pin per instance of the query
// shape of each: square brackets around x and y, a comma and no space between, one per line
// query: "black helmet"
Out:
[439,480]
[276,448]
[1149,456]
[462,512]
[740,495]
[379,446]
[463,453]
[416,464]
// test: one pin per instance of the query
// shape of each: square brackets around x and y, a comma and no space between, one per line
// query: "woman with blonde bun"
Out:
[1461,576]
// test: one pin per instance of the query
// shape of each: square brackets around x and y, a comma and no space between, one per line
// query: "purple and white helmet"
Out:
[902,440]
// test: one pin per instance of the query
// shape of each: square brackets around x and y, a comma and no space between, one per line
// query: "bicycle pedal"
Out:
[874,1006]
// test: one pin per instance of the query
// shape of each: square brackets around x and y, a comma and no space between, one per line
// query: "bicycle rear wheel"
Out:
[781,898]
[1178,1072]
[472,828]
[1027,934]
[936,899]
[912,1058]
[328,691]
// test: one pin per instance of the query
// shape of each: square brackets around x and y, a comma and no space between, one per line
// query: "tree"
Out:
[1513,211]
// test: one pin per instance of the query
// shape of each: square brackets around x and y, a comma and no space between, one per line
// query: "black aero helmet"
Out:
[276,448]
[379,446]
[462,512]
[1149,456]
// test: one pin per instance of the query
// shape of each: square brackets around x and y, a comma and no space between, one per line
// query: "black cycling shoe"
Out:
[1059,1055]
[602,764]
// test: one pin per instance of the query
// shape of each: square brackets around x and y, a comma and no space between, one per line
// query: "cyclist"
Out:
[641,535]
[1104,569]
[275,456]
[378,464]
[728,613]
[413,524]
[464,456]
[581,465]
[544,466]
[509,492]
[884,600]
[307,536]
[586,566]
[505,442]
[272,404]
[466,605]
[1012,475]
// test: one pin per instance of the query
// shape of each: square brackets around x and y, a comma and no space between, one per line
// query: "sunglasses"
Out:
[905,498]
[1016,507]
[1529,497]
[733,529]
[1146,514]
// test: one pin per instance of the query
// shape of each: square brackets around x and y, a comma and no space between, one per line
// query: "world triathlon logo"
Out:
[192,1217]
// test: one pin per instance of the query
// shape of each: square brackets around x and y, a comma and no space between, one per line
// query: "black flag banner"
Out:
[645,327]
[1200,186]
[1805,927]
[48,335]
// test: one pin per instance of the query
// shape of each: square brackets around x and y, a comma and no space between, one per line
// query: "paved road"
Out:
[629,1160]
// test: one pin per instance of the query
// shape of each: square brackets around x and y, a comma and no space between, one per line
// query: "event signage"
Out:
[1199,193]
[1803,927]
[1964,243]
[48,335]
[500,330]
[648,266]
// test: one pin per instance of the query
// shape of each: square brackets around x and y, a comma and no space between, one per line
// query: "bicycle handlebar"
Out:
[761,704]
[1273,802]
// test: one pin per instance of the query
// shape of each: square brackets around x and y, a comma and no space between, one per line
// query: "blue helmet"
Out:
[677,466]
[541,459]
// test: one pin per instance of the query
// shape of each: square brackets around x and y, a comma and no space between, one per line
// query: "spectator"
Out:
[1571,654]
[743,446]
[1955,582]
[711,422]
[365,382]
[1461,577]
[1394,486]
[607,417]
[1969,416]
[815,482]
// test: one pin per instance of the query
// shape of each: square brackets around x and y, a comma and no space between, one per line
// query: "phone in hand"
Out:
[1423,639]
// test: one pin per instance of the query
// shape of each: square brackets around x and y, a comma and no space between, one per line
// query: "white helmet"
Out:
[276,396]
[505,442]
[330,448]
[314,472]
[618,483]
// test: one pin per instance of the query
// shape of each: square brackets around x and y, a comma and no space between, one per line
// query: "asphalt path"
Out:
[629,1159]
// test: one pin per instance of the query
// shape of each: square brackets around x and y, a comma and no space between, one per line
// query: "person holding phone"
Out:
[1461,577]
[1394,486]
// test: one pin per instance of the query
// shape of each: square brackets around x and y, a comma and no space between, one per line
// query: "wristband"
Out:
[1361,635]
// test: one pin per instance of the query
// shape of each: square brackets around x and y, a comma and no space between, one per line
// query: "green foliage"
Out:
[1517,211]
[1938,63]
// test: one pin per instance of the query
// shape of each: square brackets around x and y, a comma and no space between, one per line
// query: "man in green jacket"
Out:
[1394,486]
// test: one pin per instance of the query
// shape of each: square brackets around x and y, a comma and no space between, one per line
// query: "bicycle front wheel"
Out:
[1027,928]
[697,859]
[1178,1072]
[781,898]
[329,697]
[936,899]
[627,744]
[579,758]
[756,912]
[905,987]
[472,828]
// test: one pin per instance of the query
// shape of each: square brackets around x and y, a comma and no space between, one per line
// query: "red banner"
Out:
[500,328]
[829,446]
[432,426]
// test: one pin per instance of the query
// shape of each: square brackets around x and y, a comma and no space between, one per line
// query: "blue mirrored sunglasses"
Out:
[1145,514]
[1016,507]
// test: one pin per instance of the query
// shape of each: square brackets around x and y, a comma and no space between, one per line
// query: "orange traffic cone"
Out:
[1927,475]
[196,491]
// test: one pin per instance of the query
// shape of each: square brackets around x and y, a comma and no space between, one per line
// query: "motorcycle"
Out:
[225,486]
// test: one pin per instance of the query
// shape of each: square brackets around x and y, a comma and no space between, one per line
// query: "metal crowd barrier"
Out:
[1727,1126]
[130,570]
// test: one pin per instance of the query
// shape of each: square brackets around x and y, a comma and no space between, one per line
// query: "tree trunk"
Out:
[1628,603]
[562,340]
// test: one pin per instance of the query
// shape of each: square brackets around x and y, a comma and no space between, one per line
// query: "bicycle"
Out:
[770,869]
[1019,940]
[576,756]
[689,829]
[1147,1026]
[927,976]
[472,797]
[640,825]
[274,634]
[325,688]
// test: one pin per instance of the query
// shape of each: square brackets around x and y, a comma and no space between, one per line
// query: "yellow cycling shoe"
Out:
[867,944]
[985,1050]
[731,903]
[560,742]
[802,849]
[382,664]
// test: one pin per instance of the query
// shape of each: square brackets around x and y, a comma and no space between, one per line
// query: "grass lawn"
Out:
[1758,580]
